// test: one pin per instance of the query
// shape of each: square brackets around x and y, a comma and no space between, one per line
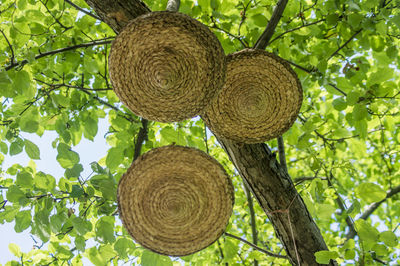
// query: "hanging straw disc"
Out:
[166,66]
[260,100]
[175,200]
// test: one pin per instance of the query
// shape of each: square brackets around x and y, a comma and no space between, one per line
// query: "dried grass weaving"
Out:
[260,100]
[166,66]
[175,200]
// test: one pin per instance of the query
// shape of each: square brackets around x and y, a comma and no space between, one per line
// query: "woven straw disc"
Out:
[175,200]
[260,100]
[166,66]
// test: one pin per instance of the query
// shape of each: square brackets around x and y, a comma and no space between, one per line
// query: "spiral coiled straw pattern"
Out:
[175,200]
[259,101]
[166,66]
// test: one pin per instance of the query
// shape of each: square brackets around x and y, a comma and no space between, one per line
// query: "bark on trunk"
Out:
[270,184]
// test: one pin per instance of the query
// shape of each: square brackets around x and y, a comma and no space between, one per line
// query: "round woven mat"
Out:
[166,66]
[260,100]
[175,200]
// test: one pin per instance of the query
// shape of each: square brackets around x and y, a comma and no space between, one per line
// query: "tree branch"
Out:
[263,41]
[56,19]
[343,45]
[83,10]
[257,247]
[336,88]
[294,29]
[214,26]
[61,50]
[282,157]
[371,208]
[339,201]
[141,137]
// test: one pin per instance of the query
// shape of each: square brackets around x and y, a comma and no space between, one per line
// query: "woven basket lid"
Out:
[260,100]
[166,66]
[175,200]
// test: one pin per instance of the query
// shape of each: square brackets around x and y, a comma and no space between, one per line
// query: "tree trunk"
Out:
[270,184]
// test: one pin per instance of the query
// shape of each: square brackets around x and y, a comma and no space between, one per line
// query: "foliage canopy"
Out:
[343,152]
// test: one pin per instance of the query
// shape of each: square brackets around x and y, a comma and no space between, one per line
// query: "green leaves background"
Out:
[342,152]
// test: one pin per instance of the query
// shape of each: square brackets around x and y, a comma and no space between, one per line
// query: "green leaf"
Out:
[389,238]
[60,100]
[325,211]
[377,43]
[354,20]
[379,76]
[115,157]
[80,243]
[77,191]
[260,20]
[66,157]
[90,128]
[41,225]
[32,150]
[57,221]
[360,112]
[24,180]
[44,182]
[349,254]
[368,234]
[16,147]
[15,195]
[370,192]
[214,4]
[97,168]
[23,220]
[153,259]
[105,229]
[123,246]
[15,250]
[95,256]
[81,226]
[106,185]
[361,128]
[21,81]
[169,134]
[231,249]
[29,123]
[3,148]
[339,104]
[324,256]
[74,172]
[352,97]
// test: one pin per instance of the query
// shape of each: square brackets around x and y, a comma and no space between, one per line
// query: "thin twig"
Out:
[265,37]
[83,10]
[257,247]
[56,19]
[342,206]
[214,26]
[10,46]
[61,50]
[220,251]
[343,45]
[294,29]
[336,88]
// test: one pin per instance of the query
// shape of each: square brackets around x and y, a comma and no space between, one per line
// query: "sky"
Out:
[88,151]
